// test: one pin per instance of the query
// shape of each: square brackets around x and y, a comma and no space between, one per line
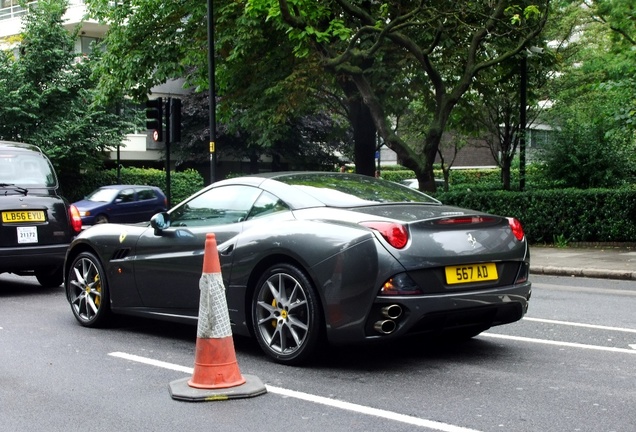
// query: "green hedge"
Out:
[182,183]
[572,215]
[478,178]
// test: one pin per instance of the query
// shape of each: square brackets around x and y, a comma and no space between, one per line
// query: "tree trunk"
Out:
[363,126]
[254,163]
[363,137]
[505,172]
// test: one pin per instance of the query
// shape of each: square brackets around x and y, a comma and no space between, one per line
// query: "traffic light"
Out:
[154,118]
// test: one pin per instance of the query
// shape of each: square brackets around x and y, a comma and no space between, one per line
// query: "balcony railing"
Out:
[17,11]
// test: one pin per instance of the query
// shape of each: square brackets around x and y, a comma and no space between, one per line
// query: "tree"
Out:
[297,145]
[263,91]
[594,102]
[584,154]
[48,95]
[492,108]
[619,17]
[442,46]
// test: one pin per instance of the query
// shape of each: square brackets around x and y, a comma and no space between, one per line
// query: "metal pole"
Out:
[523,89]
[211,91]
[118,164]
[166,141]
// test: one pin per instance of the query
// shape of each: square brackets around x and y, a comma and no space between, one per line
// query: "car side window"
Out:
[126,195]
[218,206]
[267,204]
[145,194]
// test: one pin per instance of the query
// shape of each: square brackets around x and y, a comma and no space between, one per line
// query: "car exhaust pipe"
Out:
[385,326]
[392,312]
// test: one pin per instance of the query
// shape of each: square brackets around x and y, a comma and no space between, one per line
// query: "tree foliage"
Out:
[584,155]
[594,100]
[606,59]
[440,48]
[268,102]
[48,95]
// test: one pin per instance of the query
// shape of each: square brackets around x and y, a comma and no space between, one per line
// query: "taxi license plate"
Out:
[471,273]
[23,216]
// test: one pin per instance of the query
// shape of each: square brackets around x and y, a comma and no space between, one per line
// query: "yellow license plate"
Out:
[471,273]
[23,216]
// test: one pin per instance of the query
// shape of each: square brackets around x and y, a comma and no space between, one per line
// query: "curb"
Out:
[579,272]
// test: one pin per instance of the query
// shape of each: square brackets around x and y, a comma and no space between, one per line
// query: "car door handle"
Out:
[227,250]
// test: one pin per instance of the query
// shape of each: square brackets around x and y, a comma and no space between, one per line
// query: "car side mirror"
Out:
[160,222]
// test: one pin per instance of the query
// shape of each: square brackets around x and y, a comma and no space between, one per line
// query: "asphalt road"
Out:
[570,365]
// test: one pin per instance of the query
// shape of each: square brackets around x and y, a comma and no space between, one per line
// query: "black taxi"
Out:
[37,224]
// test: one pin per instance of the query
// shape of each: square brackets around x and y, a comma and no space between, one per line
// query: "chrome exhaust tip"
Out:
[392,311]
[385,326]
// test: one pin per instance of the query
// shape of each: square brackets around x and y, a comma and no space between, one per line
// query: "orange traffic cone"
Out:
[216,373]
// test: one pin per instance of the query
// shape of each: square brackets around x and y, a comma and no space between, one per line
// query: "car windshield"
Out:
[27,170]
[345,190]
[103,195]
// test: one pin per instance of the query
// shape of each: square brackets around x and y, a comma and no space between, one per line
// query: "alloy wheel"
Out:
[286,319]
[87,290]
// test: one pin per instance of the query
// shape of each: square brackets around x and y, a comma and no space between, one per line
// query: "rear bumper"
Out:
[29,258]
[477,309]
[452,311]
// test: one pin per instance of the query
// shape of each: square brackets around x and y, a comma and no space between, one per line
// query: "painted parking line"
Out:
[574,324]
[361,409]
[560,343]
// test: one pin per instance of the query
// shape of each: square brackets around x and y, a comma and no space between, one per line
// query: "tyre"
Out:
[50,277]
[100,219]
[286,315]
[87,290]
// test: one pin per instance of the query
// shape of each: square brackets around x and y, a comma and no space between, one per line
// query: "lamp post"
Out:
[523,100]
[211,91]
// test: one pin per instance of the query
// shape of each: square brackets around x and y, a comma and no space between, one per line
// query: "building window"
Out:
[10,9]
[87,44]
[540,138]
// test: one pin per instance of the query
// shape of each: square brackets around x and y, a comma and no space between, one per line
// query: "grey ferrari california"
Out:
[307,258]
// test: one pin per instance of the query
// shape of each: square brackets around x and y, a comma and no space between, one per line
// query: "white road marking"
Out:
[560,343]
[568,323]
[389,415]
[415,421]
[152,362]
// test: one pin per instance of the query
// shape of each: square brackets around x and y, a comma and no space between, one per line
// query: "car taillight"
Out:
[395,234]
[76,219]
[516,228]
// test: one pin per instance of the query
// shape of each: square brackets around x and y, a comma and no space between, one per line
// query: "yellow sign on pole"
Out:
[211,146]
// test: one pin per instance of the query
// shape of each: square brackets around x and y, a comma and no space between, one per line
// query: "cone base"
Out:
[180,390]
[215,364]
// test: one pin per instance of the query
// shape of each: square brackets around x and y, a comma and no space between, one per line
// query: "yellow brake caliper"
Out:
[283,314]
[98,288]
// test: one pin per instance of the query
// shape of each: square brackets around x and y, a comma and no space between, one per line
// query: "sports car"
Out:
[309,258]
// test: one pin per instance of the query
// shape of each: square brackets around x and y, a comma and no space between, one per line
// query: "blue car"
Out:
[121,204]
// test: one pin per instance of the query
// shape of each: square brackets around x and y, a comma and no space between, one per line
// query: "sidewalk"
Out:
[597,262]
